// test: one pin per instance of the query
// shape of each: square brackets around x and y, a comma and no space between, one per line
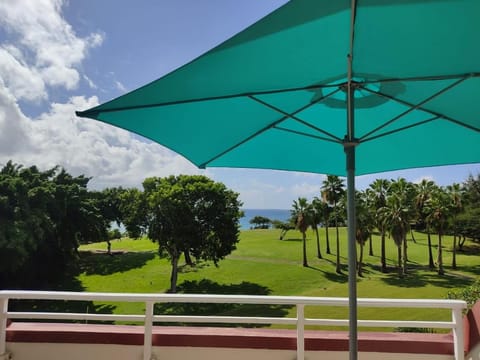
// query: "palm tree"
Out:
[378,194]
[364,225]
[424,191]
[332,191]
[318,213]
[405,193]
[455,193]
[395,218]
[439,211]
[301,212]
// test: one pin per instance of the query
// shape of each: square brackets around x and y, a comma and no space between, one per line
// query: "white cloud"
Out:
[111,155]
[120,86]
[14,127]
[306,190]
[424,177]
[25,83]
[46,47]
[90,82]
[48,53]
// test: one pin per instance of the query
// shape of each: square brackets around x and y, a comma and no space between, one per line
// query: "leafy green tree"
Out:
[260,222]
[301,212]
[333,190]
[133,211]
[44,215]
[191,214]
[468,221]
[284,226]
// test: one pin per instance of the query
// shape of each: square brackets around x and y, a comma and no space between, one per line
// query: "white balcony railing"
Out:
[148,318]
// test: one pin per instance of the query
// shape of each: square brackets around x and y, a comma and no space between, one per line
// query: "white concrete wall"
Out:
[42,351]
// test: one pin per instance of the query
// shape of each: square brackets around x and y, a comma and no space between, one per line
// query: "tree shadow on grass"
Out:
[104,264]
[62,306]
[292,239]
[470,249]
[236,309]
[416,278]
[474,269]
[66,281]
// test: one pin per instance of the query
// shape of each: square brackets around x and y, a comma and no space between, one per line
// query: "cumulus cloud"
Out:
[306,190]
[47,51]
[14,127]
[110,155]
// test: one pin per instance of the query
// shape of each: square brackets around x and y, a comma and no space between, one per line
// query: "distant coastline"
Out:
[272,214]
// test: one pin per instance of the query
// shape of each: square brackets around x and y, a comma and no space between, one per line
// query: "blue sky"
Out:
[60,56]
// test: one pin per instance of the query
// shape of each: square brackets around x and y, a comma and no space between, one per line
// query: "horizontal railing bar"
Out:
[243,299]
[224,319]
[382,323]
[74,316]
[228,319]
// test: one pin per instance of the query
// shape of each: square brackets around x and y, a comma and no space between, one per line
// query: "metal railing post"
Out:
[3,327]
[148,326]
[458,341]
[300,332]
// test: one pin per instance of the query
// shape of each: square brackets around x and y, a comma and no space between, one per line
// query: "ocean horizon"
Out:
[272,214]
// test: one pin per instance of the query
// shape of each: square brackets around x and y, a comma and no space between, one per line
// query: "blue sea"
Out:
[272,214]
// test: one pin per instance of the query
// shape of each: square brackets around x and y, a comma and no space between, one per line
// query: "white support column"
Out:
[300,332]
[458,340]
[148,327]
[3,329]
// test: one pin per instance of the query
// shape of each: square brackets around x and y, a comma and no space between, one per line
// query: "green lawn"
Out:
[263,264]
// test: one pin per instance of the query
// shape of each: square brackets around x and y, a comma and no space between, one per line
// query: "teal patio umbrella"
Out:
[339,87]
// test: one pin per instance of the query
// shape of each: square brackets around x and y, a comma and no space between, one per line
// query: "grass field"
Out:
[262,264]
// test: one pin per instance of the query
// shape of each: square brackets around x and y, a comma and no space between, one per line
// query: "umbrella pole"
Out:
[352,252]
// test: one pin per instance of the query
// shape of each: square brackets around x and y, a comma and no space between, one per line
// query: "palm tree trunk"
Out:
[454,255]
[399,254]
[383,257]
[339,267]
[431,264]
[413,237]
[327,238]
[440,257]
[370,246]
[405,248]
[319,253]
[305,263]
[360,261]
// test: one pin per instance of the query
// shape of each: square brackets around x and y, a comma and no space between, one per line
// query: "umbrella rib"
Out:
[273,125]
[421,78]
[401,129]
[412,106]
[94,112]
[293,117]
[406,103]
[306,134]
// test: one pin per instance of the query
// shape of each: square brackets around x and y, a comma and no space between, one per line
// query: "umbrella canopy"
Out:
[393,84]
[276,92]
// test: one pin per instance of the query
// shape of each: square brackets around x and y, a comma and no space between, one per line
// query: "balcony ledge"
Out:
[240,338]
